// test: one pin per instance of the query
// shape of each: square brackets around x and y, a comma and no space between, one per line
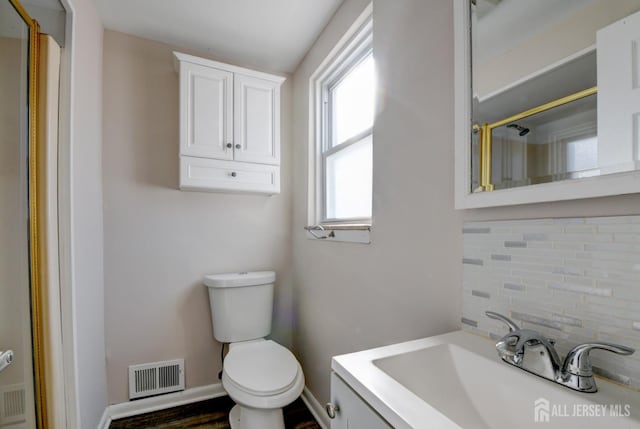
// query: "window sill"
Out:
[351,233]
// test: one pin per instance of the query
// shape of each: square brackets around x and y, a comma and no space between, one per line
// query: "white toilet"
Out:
[259,375]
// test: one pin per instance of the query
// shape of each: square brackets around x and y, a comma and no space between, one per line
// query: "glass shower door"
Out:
[17,407]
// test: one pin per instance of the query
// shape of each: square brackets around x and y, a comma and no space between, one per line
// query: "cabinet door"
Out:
[257,120]
[206,108]
[619,96]
[353,413]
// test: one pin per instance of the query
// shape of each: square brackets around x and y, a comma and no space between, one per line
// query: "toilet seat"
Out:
[261,368]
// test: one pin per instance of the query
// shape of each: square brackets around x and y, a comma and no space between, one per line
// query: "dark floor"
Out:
[211,414]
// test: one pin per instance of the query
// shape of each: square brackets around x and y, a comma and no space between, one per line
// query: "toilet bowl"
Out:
[259,375]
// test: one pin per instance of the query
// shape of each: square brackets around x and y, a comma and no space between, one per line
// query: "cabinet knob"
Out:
[229,145]
[332,410]
[233,174]
[238,146]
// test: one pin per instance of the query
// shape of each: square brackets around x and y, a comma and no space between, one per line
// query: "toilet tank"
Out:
[241,305]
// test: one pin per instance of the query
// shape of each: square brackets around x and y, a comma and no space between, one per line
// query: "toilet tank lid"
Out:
[240,279]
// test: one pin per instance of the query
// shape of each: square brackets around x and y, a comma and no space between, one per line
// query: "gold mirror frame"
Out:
[36,245]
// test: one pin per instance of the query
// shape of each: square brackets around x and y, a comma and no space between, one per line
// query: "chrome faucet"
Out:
[535,353]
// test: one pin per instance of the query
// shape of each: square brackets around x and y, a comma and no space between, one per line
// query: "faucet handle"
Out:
[497,316]
[578,361]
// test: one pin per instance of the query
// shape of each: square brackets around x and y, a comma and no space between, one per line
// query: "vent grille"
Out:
[13,404]
[156,378]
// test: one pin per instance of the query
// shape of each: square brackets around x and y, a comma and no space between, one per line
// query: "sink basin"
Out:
[456,380]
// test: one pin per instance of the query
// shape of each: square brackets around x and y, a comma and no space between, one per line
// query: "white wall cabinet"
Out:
[229,127]
[352,412]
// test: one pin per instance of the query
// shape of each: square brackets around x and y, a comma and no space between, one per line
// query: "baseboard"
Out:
[189,396]
[162,402]
[316,408]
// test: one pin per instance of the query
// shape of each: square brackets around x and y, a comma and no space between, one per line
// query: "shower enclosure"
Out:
[22,259]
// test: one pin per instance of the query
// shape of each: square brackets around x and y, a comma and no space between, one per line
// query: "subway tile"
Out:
[534,236]
[469,322]
[612,265]
[617,257]
[568,220]
[581,289]
[540,244]
[569,271]
[536,320]
[583,238]
[536,260]
[616,228]
[613,247]
[515,244]
[580,229]
[538,275]
[579,281]
[611,275]
[566,320]
[569,246]
[610,220]
[623,379]
[542,252]
[480,294]
[535,282]
[626,238]
[475,230]
[544,227]
[513,286]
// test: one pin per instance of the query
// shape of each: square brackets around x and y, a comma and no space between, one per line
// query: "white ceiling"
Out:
[271,35]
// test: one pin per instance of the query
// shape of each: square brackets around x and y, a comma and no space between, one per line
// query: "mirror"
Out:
[554,94]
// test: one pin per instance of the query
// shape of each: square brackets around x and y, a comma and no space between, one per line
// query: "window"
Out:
[343,109]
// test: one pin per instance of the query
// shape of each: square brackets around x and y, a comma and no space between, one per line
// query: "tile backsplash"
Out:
[575,280]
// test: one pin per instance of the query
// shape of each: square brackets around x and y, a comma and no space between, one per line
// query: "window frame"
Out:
[352,49]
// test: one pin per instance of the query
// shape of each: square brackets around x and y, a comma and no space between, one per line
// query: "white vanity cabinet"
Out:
[229,127]
[351,411]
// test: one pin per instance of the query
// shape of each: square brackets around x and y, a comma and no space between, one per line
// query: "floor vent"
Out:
[156,378]
[13,402]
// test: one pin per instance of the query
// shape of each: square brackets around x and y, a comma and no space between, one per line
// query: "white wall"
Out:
[406,283]
[159,241]
[81,229]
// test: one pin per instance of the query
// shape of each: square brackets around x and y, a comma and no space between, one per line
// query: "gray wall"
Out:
[406,283]
[159,241]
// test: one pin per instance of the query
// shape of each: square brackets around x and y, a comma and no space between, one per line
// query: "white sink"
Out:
[456,380]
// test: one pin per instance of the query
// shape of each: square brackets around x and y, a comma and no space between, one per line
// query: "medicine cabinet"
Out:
[547,100]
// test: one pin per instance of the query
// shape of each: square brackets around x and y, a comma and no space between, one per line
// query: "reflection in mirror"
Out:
[16,377]
[556,144]
[538,79]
